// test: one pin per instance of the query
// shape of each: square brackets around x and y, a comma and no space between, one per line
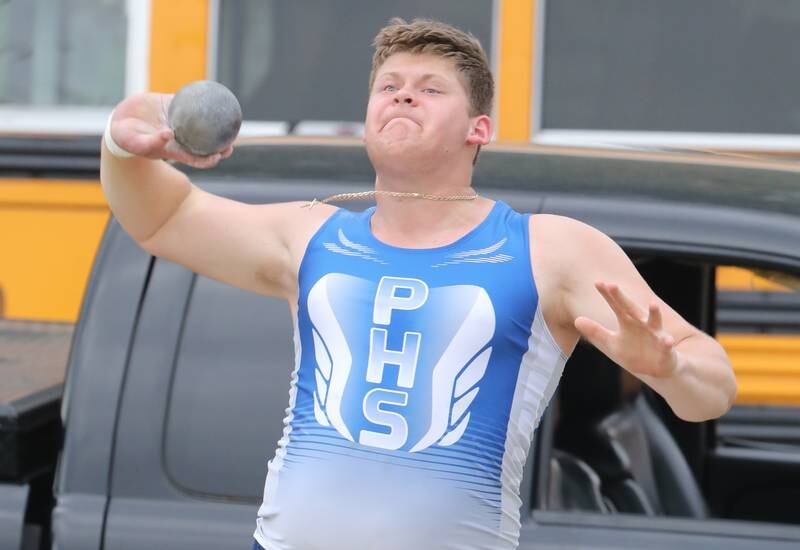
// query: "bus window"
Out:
[758,323]
[310,61]
[66,53]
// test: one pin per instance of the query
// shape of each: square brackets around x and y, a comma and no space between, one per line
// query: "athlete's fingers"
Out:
[206,162]
[595,333]
[630,307]
[617,306]
[654,319]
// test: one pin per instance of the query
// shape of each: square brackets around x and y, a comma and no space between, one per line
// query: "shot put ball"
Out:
[205,117]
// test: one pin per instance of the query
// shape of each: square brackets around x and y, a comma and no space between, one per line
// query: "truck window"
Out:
[229,391]
[743,465]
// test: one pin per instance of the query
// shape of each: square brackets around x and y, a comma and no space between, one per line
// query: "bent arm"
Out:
[142,193]
[253,247]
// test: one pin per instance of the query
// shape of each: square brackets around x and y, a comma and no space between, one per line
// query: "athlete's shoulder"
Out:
[562,228]
[566,245]
[569,248]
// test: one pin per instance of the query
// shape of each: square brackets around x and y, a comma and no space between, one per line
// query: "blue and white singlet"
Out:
[420,377]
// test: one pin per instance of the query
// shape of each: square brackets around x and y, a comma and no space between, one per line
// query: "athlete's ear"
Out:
[480,130]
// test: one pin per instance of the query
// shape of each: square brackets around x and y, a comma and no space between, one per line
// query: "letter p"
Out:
[397,293]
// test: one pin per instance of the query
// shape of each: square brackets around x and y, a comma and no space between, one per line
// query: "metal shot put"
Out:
[205,117]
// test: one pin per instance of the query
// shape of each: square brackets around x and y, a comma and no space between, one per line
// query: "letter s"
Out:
[398,427]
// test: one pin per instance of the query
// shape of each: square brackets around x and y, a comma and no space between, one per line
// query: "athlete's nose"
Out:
[403,96]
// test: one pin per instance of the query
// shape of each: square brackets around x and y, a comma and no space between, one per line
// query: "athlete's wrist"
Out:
[112,145]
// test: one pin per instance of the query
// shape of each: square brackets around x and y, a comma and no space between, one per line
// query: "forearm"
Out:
[143,194]
[703,385]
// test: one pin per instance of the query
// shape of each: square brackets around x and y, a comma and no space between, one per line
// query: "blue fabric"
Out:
[401,407]
[257,546]
[428,296]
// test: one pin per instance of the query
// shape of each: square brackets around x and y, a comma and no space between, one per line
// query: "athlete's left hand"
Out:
[640,345]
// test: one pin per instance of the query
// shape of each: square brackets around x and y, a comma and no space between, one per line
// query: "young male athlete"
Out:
[431,331]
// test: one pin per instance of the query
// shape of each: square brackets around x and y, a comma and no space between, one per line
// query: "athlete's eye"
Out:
[431,91]
[389,88]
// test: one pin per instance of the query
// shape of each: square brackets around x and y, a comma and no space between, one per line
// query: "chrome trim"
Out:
[213,39]
[537,75]
[623,139]
[137,55]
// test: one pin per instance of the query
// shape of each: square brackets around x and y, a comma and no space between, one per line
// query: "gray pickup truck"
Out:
[176,385]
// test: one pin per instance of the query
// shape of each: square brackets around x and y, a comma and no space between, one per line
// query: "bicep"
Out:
[599,259]
[252,247]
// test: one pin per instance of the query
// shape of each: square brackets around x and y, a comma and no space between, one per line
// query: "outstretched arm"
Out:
[612,307]
[686,366]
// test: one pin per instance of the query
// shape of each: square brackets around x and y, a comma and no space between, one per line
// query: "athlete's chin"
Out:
[398,156]
[388,145]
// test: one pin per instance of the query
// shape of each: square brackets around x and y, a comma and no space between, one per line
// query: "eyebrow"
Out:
[425,77]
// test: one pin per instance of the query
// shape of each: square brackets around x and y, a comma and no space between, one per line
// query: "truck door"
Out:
[201,412]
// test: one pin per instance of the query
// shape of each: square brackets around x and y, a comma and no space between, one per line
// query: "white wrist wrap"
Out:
[111,145]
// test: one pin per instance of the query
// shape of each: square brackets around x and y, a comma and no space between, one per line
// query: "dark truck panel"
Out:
[91,397]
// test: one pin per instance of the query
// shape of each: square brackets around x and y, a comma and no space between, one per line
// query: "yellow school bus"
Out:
[301,68]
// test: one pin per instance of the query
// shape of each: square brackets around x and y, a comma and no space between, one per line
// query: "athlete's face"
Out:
[419,113]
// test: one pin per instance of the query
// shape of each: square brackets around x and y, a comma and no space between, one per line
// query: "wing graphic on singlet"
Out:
[457,373]
[465,391]
[332,354]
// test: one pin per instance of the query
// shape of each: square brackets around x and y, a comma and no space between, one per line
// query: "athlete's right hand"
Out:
[140,127]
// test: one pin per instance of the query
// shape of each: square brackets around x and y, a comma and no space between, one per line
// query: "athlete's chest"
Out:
[402,362]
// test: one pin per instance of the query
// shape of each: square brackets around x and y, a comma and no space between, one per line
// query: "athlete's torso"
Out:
[420,376]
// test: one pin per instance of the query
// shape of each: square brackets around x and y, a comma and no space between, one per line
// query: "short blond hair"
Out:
[426,36]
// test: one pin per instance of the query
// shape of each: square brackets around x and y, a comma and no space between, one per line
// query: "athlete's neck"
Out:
[425,222]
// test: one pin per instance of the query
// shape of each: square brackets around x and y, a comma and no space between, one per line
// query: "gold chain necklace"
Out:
[400,194]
